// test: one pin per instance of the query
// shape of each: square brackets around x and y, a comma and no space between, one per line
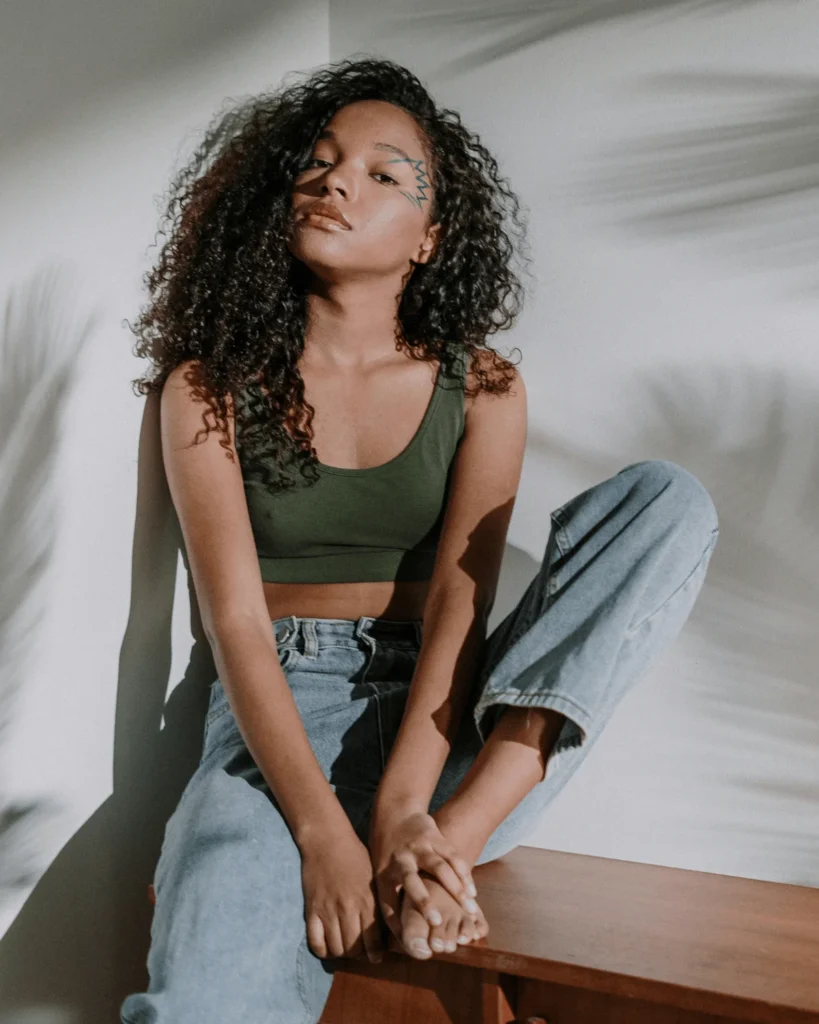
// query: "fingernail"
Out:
[472,890]
[375,958]
[471,906]
[435,917]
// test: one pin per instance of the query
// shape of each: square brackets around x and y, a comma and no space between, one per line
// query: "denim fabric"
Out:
[623,565]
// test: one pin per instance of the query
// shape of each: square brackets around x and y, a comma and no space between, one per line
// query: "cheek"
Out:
[398,222]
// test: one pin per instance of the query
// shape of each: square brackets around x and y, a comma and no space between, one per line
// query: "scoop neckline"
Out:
[416,438]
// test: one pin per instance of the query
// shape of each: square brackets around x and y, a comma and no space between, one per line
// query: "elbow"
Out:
[224,627]
[468,594]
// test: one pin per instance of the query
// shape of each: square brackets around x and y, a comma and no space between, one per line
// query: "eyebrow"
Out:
[328,133]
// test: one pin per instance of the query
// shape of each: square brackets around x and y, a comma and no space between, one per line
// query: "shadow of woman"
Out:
[80,942]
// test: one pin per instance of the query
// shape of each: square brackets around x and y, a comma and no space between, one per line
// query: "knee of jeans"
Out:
[689,497]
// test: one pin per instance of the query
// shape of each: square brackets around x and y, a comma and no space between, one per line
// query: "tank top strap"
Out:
[447,423]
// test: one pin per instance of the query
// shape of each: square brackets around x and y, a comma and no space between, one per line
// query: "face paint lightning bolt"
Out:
[420,181]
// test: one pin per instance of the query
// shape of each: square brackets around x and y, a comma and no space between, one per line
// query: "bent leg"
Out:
[624,564]
[228,940]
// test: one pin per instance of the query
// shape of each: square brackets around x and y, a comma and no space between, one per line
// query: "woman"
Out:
[322,305]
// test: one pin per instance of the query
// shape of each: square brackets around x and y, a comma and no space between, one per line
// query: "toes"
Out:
[415,932]
[443,938]
[472,928]
[452,932]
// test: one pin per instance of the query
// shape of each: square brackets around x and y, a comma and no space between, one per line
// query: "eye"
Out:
[318,160]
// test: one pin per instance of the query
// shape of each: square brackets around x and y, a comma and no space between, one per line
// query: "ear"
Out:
[430,244]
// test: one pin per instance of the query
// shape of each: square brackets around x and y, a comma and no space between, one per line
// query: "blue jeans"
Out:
[623,565]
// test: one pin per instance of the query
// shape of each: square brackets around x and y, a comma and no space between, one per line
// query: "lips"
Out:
[326,210]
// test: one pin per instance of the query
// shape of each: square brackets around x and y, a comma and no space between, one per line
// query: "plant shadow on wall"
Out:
[517,27]
[39,348]
[87,50]
[753,181]
[80,941]
[41,340]
[750,435]
[753,178]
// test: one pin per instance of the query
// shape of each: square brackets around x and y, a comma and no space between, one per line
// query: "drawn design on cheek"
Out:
[420,181]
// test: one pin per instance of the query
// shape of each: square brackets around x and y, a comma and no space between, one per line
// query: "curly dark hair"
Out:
[228,295]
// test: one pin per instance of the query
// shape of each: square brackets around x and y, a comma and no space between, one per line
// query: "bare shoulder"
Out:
[486,476]
[186,409]
[206,486]
[478,404]
[495,425]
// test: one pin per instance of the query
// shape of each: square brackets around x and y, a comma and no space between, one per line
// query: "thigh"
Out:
[228,937]
[351,700]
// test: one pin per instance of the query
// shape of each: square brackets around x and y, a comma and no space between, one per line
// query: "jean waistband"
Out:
[318,630]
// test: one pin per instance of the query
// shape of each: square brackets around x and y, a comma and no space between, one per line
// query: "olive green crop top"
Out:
[377,523]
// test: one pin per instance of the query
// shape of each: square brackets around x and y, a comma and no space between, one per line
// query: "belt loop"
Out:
[310,638]
[362,628]
[292,629]
[363,635]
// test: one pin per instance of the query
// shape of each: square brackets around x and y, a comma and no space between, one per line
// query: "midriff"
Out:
[399,601]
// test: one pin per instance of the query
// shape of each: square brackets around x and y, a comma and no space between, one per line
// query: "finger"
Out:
[458,864]
[315,936]
[451,881]
[350,926]
[403,872]
[419,894]
[389,903]
[332,932]
[371,938]
[460,867]
[464,872]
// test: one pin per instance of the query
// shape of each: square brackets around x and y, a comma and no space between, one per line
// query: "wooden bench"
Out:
[588,940]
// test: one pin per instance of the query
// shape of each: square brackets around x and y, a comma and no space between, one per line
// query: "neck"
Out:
[352,323]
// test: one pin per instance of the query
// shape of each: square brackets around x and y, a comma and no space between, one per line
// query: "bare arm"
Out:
[462,591]
[208,494]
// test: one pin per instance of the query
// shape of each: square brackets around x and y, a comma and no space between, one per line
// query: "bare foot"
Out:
[421,940]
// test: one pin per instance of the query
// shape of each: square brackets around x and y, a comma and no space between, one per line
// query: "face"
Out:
[370,164]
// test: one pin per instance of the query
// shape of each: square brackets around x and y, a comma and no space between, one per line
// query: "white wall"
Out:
[100,104]
[690,337]
[686,339]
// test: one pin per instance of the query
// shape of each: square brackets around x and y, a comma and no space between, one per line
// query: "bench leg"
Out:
[497,997]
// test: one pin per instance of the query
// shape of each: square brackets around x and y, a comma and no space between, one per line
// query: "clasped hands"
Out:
[410,872]
[424,886]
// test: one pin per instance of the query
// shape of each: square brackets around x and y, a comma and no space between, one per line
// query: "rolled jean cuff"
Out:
[575,729]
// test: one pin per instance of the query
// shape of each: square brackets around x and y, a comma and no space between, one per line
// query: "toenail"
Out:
[437,945]
[419,945]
